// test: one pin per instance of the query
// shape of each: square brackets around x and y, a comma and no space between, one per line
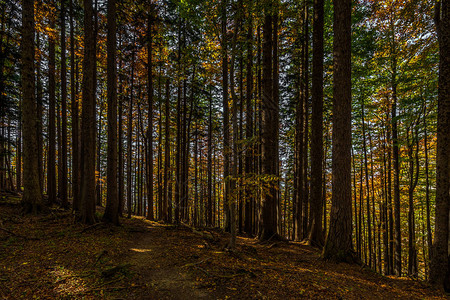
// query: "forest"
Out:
[273,136]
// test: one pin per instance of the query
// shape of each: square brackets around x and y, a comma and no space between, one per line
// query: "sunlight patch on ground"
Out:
[67,282]
[140,250]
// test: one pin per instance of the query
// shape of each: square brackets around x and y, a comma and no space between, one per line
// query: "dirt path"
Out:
[160,259]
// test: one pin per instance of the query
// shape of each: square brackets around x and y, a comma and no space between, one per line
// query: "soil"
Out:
[51,257]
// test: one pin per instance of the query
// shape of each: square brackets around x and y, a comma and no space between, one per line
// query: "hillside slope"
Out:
[51,257]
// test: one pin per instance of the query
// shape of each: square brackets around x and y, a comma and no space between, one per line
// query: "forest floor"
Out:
[51,257]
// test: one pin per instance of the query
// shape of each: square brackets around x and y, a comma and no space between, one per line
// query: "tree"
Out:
[51,158]
[249,159]
[32,197]
[226,117]
[316,234]
[75,118]
[439,258]
[150,117]
[88,122]
[338,245]
[112,200]
[269,133]
[63,154]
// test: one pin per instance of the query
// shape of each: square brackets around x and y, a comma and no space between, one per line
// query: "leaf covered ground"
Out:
[50,256]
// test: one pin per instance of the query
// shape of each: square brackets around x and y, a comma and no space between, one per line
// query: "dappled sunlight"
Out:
[140,250]
[67,282]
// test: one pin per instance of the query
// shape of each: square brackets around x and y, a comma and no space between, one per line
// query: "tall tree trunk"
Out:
[32,197]
[121,184]
[210,207]
[413,180]
[276,99]
[112,200]
[226,121]
[390,206]
[51,160]
[355,187]
[130,140]
[88,123]
[249,197]
[160,144]
[395,154]
[269,136]
[316,235]
[299,141]
[150,117]
[178,160]
[196,206]
[366,172]
[76,176]
[338,245]
[385,220]
[167,172]
[305,80]
[63,166]
[98,171]
[439,258]
[39,112]
[427,189]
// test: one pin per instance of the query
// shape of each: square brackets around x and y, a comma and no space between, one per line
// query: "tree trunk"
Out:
[338,245]
[390,207]
[76,176]
[210,220]
[439,260]
[32,197]
[395,154]
[226,121]
[51,160]
[366,172]
[427,190]
[150,118]
[120,178]
[167,172]
[130,140]
[316,235]
[112,200]
[88,123]
[249,198]
[39,125]
[63,164]
[413,180]
[269,135]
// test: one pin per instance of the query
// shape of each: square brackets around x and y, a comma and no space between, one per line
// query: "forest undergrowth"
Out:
[50,257]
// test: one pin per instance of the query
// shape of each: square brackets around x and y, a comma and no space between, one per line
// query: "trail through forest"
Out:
[49,256]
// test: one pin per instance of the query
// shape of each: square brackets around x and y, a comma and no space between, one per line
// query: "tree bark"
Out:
[395,155]
[130,140]
[338,245]
[63,166]
[112,201]
[75,118]
[51,159]
[249,198]
[150,118]
[439,259]
[32,197]
[88,123]
[226,118]
[269,135]
[316,235]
